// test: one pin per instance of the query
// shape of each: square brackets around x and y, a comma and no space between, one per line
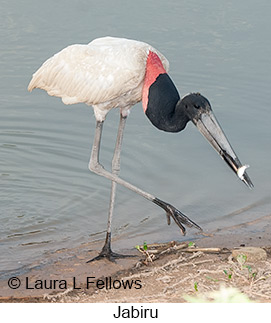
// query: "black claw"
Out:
[179,218]
[108,254]
[111,257]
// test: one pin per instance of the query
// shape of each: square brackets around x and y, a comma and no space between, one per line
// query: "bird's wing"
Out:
[93,73]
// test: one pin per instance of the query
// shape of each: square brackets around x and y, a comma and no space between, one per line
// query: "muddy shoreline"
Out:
[173,274]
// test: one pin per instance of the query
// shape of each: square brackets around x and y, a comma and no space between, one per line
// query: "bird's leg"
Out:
[106,251]
[96,167]
[115,169]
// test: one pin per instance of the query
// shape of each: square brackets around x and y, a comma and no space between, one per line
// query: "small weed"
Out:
[144,250]
[251,273]
[145,246]
[196,286]
[229,275]
[241,259]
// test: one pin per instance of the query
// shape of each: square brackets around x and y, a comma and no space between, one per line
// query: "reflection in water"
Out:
[49,199]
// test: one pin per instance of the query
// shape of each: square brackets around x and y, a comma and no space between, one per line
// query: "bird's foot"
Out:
[108,254]
[179,218]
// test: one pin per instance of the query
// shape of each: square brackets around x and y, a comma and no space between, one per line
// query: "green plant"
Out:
[144,250]
[196,286]
[145,247]
[229,275]
[241,259]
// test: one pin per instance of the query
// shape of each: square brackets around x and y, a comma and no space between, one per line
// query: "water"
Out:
[50,200]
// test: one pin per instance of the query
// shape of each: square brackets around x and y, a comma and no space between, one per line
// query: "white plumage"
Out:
[106,73]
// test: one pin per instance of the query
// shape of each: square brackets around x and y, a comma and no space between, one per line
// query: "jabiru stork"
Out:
[114,72]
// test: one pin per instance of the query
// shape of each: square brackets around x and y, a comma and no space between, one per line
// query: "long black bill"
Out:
[211,130]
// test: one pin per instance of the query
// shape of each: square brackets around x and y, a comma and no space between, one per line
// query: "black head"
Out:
[194,105]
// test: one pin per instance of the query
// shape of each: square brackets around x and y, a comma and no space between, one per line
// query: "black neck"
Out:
[165,109]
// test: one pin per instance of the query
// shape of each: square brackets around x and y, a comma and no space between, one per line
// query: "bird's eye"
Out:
[196,106]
